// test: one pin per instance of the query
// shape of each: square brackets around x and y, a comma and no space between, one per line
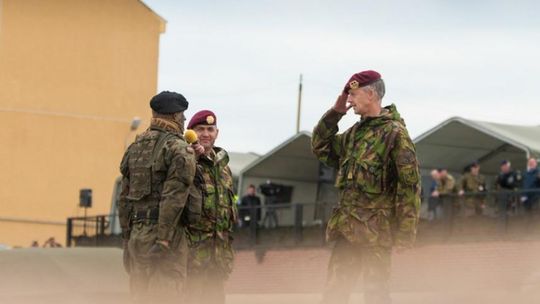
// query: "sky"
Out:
[439,59]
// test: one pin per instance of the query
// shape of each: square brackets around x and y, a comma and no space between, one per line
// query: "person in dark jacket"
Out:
[249,202]
[531,183]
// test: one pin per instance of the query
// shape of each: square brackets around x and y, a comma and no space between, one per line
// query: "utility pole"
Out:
[299,105]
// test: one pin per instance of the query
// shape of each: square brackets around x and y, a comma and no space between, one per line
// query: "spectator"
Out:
[472,184]
[433,201]
[531,182]
[507,180]
[51,242]
[248,203]
[35,244]
[447,182]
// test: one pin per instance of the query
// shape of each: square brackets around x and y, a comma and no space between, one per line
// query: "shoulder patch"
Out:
[406,157]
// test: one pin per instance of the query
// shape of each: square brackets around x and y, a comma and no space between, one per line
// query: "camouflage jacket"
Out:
[378,179]
[210,238]
[472,183]
[156,178]
[447,185]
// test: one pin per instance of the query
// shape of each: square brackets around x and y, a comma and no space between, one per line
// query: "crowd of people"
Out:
[511,189]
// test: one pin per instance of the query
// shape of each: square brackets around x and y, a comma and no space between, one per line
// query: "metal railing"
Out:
[482,215]
[282,224]
[476,216]
[91,231]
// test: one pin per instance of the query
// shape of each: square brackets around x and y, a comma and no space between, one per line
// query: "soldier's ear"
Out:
[371,93]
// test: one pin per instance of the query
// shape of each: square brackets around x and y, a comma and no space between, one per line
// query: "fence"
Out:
[475,216]
[480,216]
[91,231]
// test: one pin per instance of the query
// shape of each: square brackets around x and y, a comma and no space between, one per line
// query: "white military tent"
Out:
[292,164]
[457,142]
[239,161]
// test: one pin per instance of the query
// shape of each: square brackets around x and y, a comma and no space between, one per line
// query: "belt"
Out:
[148,214]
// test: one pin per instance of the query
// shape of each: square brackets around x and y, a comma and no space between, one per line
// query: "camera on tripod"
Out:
[274,194]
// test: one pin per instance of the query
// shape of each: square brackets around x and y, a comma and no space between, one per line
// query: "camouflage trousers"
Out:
[346,264]
[209,265]
[156,279]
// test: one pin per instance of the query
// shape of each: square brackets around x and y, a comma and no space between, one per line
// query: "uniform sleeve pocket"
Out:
[409,175]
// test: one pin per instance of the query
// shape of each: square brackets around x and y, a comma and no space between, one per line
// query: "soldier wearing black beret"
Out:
[168,103]
[158,171]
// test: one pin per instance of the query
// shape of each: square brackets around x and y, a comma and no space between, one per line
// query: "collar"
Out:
[166,124]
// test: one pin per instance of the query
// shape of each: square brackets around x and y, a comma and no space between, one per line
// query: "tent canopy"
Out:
[239,161]
[292,160]
[453,144]
[457,142]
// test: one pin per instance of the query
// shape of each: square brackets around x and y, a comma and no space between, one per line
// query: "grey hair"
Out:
[378,88]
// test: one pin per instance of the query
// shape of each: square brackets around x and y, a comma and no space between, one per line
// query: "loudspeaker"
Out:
[85,198]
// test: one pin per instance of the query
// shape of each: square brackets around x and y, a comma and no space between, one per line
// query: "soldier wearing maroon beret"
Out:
[211,254]
[379,189]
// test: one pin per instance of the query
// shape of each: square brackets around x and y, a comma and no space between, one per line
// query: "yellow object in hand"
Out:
[190,136]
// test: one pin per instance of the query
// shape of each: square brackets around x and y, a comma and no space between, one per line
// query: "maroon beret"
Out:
[204,117]
[361,79]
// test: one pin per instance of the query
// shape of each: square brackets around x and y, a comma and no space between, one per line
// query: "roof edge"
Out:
[162,21]
[279,147]
[436,128]
[475,125]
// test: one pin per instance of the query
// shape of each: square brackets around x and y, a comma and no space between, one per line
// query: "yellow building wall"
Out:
[73,74]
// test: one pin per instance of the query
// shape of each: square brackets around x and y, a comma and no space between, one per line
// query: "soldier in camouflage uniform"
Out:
[447,192]
[473,184]
[379,189]
[447,183]
[157,179]
[211,253]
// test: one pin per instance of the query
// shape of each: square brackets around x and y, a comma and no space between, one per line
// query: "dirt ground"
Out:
[398,298]
[492,273]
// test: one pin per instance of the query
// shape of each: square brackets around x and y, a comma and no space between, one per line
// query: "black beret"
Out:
[168,103]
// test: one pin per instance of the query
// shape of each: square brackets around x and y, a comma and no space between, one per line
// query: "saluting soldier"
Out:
[379,189]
